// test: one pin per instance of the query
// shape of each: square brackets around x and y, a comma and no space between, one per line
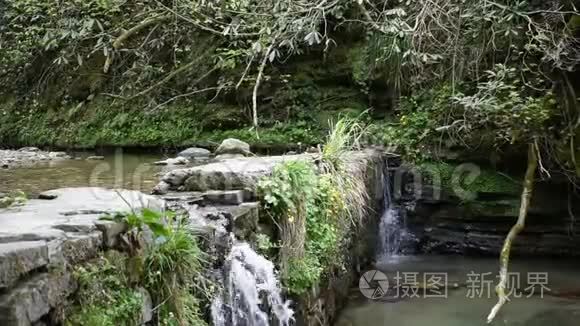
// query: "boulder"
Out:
[195,153]
[233,146]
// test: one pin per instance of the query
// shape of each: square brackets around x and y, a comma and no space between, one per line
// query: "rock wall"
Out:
[444,223]
[239,176]
[323,303]
[43,240]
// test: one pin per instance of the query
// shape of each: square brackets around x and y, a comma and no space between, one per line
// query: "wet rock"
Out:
[47,195]
[195,153]
[95,158]
[173,161]
[19,258]
[233,146]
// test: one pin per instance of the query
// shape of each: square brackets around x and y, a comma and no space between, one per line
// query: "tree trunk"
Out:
[515,230]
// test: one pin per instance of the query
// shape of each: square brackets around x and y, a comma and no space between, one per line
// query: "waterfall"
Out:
[392,226]
[251,294]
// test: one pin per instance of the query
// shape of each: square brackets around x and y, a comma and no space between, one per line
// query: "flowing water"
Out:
[393,234]
[252,296]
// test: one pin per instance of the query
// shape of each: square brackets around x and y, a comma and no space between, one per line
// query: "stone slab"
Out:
[19,258]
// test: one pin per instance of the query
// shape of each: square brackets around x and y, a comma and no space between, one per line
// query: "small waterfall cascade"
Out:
[251,294]
[393,232]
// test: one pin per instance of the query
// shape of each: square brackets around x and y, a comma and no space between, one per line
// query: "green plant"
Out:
[288,195]
[264,244]
[172,270]
[344,137]
[14,198]
[104,296]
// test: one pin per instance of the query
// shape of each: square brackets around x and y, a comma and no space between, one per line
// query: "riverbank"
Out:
[27,156]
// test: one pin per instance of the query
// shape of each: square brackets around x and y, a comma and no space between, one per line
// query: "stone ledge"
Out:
[33,299]
[19,258]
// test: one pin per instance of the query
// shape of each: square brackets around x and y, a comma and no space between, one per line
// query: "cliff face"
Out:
[445,223]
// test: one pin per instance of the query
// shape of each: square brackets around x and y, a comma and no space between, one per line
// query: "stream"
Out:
[470,294]
[133,171]
[420,290]
[464,297]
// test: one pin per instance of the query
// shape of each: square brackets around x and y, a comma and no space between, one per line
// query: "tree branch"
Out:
[257,85]
[515,230]
[119,41]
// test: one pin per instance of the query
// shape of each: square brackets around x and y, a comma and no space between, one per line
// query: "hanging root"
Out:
[515,230]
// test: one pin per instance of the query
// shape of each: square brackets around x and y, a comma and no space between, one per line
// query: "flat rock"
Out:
[19,258]
[230,174]
[74,210]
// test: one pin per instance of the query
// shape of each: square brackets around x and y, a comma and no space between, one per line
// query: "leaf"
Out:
[150,215]
[272,55]
[159,229]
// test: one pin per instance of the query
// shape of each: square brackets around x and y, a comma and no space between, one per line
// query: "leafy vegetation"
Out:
[312,207]
[14,198]
[169,266]
[105,296]
[173,270]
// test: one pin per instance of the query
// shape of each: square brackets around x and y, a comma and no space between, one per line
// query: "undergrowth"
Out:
[315,207]
[105,296]
[169,266]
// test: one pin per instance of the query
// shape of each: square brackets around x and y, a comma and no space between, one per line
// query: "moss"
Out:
[470,178]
